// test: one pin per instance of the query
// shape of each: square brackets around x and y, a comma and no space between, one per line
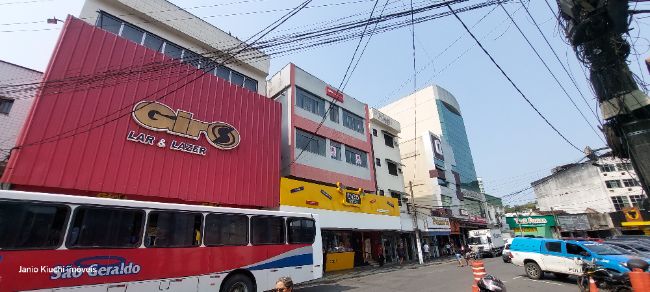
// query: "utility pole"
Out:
[415,224]
[595,29]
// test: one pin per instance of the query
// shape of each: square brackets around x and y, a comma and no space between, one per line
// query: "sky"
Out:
[511,145]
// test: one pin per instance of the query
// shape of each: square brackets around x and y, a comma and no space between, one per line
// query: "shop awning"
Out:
[434,233]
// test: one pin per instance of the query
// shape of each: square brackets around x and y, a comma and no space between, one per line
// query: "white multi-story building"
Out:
[608,185]
[15,103]
[385,146]
[437,158]
[169,29]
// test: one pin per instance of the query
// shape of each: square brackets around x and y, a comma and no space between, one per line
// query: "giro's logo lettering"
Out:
[159,117]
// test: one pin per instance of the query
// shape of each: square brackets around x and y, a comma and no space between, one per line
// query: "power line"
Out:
[268,29]
[561,63]
[510,80]
[551,71]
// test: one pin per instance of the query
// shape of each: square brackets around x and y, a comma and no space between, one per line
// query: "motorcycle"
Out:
[490,283]
[605,279]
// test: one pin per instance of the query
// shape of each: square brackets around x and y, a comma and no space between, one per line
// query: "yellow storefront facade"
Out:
[356,226]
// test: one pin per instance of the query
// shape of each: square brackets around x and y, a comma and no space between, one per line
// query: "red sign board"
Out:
[333,93]
[122,126]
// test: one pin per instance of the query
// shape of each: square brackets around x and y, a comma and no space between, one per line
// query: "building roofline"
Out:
[13,64]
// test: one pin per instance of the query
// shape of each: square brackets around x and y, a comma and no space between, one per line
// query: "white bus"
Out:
[51,242]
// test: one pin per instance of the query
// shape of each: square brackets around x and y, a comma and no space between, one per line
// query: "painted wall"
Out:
[12,123]
[181,27]
[307,165]
[582,186]
[372,212]
[380,123]
[88,130]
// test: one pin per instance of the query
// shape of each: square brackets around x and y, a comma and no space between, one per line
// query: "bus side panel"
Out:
[53,268]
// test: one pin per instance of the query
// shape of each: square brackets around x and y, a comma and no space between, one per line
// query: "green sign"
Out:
[530,221]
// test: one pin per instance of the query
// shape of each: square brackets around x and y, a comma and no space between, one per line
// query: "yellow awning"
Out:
[640,223]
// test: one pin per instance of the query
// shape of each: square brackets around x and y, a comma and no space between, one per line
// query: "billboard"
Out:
[132,123]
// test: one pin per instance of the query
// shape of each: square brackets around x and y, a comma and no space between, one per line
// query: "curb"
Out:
[346,276]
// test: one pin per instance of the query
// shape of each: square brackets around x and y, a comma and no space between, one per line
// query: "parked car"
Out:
[564,257]
[505,255]
[632,247]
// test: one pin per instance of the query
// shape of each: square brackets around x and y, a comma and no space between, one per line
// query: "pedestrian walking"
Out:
[401,252]
[459,257]
[425,250]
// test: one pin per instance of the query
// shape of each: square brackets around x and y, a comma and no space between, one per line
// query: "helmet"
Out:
[491,284]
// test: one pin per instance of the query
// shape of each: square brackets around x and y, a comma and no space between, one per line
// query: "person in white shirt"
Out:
[425,250]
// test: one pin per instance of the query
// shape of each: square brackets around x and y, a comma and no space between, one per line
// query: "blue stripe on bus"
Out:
[292,261]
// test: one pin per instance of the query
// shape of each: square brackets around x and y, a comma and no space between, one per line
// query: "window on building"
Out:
[153,42]
[381,192]
[251,84]
[554,246]
[352,121]
[630,182]
[173,229]
[310,102]
[267,230]
[222,72]
[99,227]
[392,167]
[378,161]
[32,225]
[624,166]
[226,229]
[301,230]
[374,132]
[132,33]
[173,51]
[607,168]
[237,78]
[397,196]
[637,200]
[356,157]
[334,113]
[310,142]
[620,202]
[5,105]
[446,201]
[194,59]
[109,23]
[335,150]
[389,140]
[612,184]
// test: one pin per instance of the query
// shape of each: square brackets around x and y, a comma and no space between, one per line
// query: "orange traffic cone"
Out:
[640,280]
[478,271]
[592,285]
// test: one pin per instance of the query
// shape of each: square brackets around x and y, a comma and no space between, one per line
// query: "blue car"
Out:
[564,257]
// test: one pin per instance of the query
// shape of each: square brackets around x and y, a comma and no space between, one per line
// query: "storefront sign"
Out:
[477,219]
[525,229]
[333,93]
[437,147]
[573,222]
[352,198]
[530,221]
[156,116]
[434,223]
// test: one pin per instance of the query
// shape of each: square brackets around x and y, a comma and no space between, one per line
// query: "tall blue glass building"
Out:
[453,130]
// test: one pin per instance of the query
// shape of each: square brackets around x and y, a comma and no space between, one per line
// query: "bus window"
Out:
[226,229]
[267,230]
[100,227]
[301,230]
[32,225]
[173,229]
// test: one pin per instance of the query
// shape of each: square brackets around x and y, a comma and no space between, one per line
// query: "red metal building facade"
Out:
[195,138]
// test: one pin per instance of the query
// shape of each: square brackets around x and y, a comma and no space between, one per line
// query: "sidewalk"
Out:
[357,272]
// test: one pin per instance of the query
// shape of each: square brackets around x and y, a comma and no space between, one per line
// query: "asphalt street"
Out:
[443,277]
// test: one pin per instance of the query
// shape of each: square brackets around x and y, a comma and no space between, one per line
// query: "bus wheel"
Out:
[238,283]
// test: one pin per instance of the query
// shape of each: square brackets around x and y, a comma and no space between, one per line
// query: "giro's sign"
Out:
[159,117]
